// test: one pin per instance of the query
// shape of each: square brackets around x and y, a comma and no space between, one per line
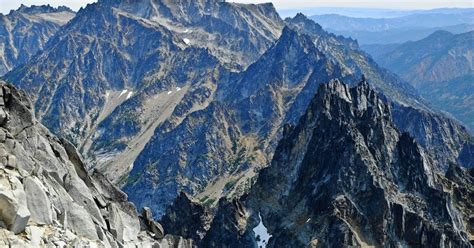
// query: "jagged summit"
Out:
[345,176]
[25,31]
[38,9]
[291,46]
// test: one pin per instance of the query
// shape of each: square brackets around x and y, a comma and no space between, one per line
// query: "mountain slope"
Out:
[235,133]
[25,31]
[49,199]
[246,117]
[442,137]
[346,176]
[78,93]
[440,67]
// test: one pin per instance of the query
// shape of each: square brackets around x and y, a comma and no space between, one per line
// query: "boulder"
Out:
[124,227]
[80,222]
[150,224]
[35,235]
[38,202]
[3,116]
[13,206]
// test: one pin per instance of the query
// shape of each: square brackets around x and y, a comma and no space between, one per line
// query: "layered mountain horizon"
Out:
[190,107]
[439,67]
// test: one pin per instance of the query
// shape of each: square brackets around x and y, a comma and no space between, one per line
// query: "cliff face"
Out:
[25,31]
[48,198]
[345,176]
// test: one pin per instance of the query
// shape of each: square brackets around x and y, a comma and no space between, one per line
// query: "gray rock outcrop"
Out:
[47,197]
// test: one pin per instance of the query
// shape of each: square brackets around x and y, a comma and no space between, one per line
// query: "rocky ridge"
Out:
[244,120]
[47,198]
[25,31]
[441,136]
[344,176]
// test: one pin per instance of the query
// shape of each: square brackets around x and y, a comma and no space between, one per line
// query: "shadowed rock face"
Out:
[345,176]
[25,31]
[48,198]
[187,218]
[237,131]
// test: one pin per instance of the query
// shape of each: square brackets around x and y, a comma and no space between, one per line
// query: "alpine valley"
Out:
[226,125]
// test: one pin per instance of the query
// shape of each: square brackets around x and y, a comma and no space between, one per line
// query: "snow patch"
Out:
[186,41]
[123,92]
[261,233]
[130,94]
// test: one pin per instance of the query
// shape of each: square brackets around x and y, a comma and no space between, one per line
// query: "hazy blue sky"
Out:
[7,5]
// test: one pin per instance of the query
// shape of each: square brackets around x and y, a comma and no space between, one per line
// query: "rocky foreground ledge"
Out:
[47,198]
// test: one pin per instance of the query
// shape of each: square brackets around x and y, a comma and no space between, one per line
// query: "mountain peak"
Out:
[343,158]
[38,9]
[362,99]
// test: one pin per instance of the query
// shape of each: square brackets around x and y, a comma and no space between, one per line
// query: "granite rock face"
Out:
[25,31]
[48,198]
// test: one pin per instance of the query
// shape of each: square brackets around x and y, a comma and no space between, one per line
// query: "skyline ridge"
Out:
[281,5]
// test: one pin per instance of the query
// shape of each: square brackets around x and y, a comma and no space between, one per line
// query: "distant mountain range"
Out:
[366,12]
[410,27]
[439,66]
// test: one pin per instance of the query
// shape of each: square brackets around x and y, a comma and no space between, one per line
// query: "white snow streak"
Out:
[123,92]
